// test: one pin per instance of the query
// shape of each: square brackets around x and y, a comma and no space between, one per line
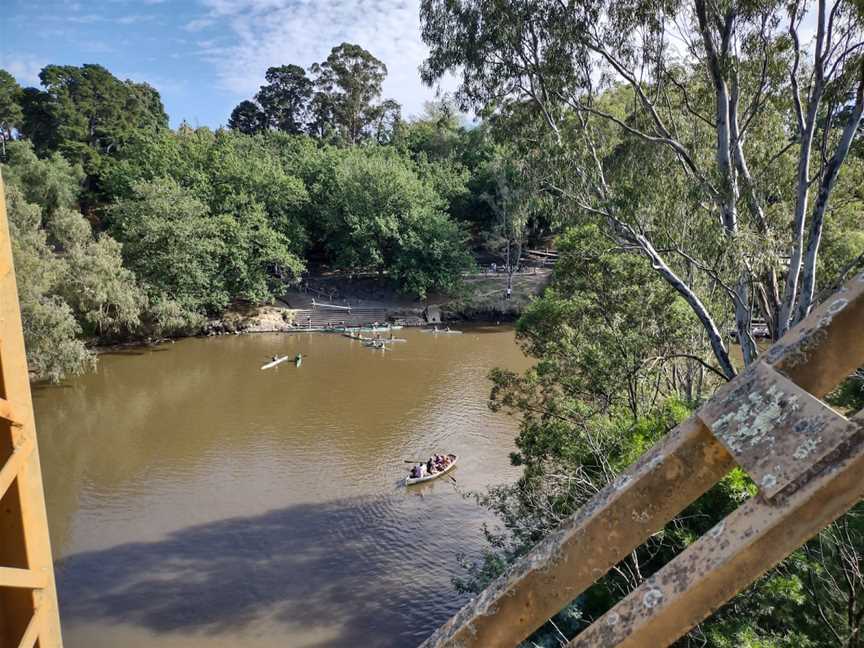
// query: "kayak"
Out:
[419,480]
[356,336]
[373,329]
[275,362]
[442,331]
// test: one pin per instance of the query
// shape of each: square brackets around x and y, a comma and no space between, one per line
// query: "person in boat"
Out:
[430,466]
[417,471]
[275,358]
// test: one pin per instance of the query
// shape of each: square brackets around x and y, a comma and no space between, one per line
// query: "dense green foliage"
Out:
[146,232]
[684,184]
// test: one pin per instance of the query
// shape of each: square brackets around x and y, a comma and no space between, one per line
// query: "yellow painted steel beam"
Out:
[13,465]
[31,634]
[9,412]
[24,538]
[23,578]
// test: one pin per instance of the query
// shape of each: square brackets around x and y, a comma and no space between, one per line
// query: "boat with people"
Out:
[276,360]
[376,344]
[439,469]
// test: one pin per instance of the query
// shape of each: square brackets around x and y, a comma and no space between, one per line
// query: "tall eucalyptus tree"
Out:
[780,117]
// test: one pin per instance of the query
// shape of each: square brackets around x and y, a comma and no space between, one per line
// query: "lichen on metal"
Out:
[747,543]
[825,346]
[773,428]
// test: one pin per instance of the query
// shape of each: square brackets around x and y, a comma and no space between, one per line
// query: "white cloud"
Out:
[265,33]
[198,24]
[24,68]
[132,19]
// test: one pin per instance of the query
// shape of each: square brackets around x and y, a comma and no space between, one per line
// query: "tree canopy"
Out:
[151,231]
[340,102]
[733,75]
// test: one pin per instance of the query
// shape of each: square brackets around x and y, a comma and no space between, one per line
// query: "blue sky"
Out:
[205,56]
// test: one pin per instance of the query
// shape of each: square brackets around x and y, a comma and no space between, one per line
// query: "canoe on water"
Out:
[275,362]
[356,336]
[373,329]
[419,480]
[442,331]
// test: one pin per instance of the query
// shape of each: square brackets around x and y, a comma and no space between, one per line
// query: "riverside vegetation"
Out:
[124,229]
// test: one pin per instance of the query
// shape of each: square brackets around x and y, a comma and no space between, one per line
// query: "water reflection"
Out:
[195,500]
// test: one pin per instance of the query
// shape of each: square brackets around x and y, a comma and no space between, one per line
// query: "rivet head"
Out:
[622,481]
[652,598]
[717,530]
[838,305]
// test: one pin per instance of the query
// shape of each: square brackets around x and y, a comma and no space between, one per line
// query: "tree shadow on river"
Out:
[377,570]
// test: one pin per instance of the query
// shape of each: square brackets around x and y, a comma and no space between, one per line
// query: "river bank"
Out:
[328,301]
[323,302]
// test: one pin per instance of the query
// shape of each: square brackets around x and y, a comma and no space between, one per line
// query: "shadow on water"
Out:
[335,565]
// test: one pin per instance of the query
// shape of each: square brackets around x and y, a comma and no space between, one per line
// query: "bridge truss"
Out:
[806,459]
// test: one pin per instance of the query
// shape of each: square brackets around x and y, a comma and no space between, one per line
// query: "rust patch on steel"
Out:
[827,345]
[775,430]
[746,543]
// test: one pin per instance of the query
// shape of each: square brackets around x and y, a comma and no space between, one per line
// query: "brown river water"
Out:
[195,500]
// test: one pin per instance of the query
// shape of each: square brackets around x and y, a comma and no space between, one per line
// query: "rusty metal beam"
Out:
[614,523]
[775,430]
[828,345]
[814,356]
[750,541]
